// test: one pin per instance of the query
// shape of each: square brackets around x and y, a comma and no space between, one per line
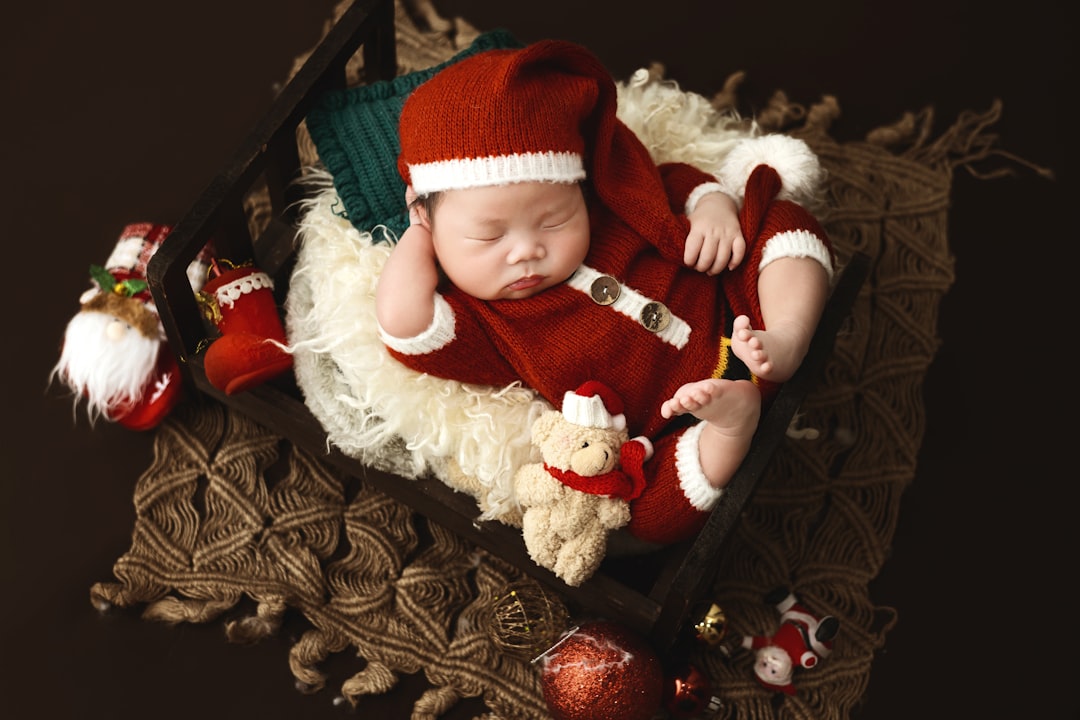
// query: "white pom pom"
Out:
[798,167]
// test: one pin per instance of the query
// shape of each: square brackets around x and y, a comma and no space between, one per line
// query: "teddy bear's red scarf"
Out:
[614,483]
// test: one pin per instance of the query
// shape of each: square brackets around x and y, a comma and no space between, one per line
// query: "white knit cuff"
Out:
[699,192]
[796,243]
[695,486]
[437,335]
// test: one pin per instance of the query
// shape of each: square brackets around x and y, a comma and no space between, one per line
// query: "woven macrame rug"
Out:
[228,512]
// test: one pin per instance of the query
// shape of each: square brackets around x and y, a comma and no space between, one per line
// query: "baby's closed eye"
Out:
[555,225]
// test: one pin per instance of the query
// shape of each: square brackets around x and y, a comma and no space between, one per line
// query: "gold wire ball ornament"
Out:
[712,629]
[526,620]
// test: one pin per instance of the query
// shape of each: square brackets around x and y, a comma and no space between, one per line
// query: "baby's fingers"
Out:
[738,251]
[692,249]
[716,255]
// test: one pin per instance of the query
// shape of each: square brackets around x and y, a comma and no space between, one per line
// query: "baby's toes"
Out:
[671,408]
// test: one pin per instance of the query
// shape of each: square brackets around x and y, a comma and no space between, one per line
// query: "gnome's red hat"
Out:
[543,113]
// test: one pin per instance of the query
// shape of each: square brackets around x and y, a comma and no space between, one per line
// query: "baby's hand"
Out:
[715,242]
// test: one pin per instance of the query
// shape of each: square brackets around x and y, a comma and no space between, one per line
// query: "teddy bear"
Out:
[802,640]
[581,490]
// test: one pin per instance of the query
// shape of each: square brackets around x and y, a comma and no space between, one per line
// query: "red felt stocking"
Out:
[244,356]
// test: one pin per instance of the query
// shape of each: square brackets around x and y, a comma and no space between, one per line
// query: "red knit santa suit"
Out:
[667,326]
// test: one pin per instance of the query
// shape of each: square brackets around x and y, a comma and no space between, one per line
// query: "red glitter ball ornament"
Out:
[602,671]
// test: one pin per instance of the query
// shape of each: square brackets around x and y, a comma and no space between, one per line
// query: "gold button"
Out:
[605,290]
[655,317]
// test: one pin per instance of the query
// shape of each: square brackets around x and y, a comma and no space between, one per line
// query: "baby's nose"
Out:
[527,247]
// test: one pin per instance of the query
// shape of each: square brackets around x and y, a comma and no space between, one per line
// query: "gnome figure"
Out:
[802,640]
[114,353]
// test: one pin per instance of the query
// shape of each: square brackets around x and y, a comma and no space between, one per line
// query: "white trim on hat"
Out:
[461,173]
[129,253]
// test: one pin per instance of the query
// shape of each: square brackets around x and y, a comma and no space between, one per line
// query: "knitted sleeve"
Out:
[685,184]
[455,347]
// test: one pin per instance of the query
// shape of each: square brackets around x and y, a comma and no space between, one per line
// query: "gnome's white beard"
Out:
[105,361]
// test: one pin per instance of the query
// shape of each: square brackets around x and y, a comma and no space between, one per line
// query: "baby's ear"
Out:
[417,212]
[423,218]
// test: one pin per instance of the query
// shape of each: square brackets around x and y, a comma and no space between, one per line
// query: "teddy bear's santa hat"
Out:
[594,405]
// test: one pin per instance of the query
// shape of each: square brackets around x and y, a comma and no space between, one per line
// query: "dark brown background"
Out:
[121,111]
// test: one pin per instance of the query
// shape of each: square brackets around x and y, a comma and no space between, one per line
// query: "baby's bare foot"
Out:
[730,410]
[772,354]
[723,403]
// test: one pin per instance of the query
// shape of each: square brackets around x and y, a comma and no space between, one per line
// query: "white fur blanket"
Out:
[388,416]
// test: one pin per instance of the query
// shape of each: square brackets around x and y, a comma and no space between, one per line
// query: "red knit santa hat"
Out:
[543,113]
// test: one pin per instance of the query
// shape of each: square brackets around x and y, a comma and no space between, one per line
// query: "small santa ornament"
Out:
[802,640]
[114,353]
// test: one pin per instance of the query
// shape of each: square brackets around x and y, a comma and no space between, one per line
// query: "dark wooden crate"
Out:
[656,594]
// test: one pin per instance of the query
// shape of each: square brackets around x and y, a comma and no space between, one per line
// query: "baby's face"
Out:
[511,241]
